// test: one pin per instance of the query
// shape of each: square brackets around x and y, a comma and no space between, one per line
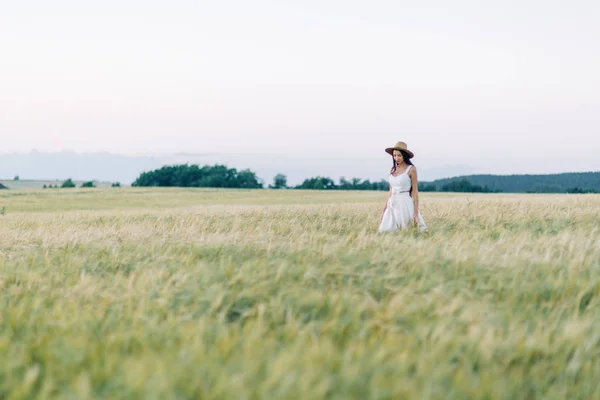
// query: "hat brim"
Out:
[390,151]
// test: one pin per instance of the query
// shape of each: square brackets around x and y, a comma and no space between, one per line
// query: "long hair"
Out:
[406,160]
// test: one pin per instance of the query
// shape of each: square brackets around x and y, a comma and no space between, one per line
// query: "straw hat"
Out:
[400,146]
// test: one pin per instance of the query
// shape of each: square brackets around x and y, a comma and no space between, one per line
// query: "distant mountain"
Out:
[553,183]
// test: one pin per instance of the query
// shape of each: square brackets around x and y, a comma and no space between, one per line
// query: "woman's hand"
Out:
[416,219]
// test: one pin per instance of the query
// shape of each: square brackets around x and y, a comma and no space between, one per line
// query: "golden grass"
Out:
[175,294]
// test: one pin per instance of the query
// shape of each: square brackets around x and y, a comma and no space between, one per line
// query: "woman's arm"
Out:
[415,190]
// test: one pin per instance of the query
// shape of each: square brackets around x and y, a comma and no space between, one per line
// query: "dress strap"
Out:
[408,169]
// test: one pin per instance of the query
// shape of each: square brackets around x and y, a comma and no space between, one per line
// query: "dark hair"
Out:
[406,160]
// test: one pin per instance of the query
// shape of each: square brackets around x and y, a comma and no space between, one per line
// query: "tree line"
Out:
[571,182]
[220,176]
[185,175]
[68,184]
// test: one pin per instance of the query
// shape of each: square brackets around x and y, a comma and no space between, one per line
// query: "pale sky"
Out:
[503,86]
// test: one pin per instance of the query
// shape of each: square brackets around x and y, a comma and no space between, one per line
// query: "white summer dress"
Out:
[400,208]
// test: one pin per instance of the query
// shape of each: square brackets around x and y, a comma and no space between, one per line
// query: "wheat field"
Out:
[231,294]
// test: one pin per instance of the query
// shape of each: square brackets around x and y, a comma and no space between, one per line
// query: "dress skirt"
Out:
[399,214]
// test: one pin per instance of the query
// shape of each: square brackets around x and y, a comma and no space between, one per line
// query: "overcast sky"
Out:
[503,86]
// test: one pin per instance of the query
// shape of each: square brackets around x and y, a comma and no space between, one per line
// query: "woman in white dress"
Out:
[402,206]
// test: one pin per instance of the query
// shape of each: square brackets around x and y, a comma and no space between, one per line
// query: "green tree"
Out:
[89,184]
[581,191]
[547,188]
[68,184]
[344,184]
[317,183]
[424,187]
[218,176]
[279,182]
[463,185]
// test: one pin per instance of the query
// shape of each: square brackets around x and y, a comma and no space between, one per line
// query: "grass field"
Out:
[211,294]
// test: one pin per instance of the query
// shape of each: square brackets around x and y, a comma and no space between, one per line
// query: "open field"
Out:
[202,294]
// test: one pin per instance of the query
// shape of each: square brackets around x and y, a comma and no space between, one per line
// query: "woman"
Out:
[402,206]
